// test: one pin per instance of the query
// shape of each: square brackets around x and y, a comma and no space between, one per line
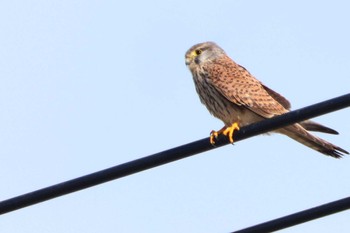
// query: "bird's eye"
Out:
[198,51]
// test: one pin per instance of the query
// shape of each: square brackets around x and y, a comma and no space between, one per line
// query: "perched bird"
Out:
[236,97]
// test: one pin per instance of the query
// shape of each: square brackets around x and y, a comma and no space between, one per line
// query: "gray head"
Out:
[203,52]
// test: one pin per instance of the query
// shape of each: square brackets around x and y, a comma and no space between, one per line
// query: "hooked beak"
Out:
[187,61]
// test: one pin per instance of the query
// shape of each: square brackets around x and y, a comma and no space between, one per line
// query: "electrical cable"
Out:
[170,155]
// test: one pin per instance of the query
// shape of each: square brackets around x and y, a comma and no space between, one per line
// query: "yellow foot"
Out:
[213,136]
[229,131]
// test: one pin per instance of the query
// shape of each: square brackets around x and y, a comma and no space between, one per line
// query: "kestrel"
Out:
[236,97]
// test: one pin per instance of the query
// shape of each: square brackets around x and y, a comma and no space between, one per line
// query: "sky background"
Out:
[86,85]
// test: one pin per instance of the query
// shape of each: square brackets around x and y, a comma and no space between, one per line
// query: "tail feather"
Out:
[300,134]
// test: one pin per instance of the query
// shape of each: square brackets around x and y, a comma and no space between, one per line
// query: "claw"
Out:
[213,135]
[229,131]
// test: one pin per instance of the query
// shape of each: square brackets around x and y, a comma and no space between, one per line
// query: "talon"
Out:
[229,131]
[213,136]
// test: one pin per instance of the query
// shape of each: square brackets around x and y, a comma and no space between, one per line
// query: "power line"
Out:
[300,217]
[170,155]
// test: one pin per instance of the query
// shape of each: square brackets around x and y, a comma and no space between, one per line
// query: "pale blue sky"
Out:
[87,85]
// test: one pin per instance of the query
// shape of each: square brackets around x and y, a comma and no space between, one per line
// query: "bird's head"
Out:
[201,53]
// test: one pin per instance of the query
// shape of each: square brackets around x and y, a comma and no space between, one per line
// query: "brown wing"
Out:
[314,126]
[279,98]
[240,87]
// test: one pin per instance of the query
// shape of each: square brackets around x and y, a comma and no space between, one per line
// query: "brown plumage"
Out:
[232,94]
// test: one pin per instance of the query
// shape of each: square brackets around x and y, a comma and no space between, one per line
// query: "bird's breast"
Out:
[218,105]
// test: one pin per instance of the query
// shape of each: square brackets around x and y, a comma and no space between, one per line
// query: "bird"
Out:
[236,97]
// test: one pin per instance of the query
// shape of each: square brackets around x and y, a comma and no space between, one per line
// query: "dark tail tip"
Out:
[335,152]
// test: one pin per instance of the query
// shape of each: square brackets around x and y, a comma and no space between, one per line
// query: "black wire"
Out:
[300,217]
[170,155]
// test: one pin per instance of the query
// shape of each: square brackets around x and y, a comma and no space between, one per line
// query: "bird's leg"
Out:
[214,134]
[229,131]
